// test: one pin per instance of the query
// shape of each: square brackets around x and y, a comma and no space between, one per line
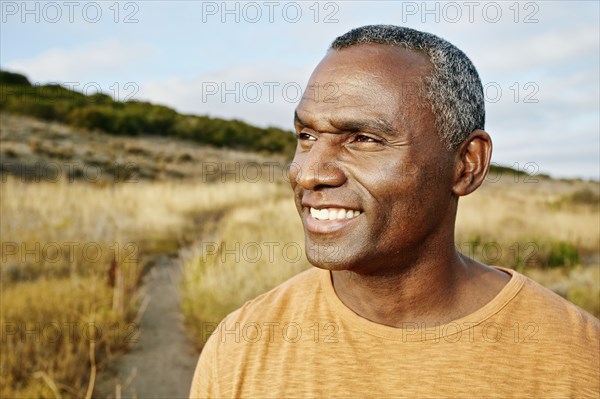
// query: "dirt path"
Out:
[161,364]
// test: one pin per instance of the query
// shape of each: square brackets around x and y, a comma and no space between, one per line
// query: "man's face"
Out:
[371,177]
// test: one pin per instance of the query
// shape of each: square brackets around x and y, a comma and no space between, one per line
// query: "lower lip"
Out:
[327,226]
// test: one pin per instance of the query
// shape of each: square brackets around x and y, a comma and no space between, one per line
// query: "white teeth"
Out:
[314,213]
[323,214]
[333,213]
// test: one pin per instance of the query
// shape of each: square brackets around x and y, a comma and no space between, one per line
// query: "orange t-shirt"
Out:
[300,341]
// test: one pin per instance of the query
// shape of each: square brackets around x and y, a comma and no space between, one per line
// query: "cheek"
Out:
[387,182]
[402,199]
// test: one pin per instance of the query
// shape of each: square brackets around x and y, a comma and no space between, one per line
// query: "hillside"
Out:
[98,111]
[37,150]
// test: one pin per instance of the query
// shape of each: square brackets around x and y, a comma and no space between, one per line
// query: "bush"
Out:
[93,117]
[12,78]
[38,110]
[562,254]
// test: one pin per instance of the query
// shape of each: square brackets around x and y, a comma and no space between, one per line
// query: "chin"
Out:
[329,256]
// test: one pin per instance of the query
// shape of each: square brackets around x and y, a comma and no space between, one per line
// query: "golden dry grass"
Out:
[58,243]
[49,328]
[523,225]
[511,211]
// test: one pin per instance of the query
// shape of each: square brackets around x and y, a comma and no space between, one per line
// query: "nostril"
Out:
[320,187]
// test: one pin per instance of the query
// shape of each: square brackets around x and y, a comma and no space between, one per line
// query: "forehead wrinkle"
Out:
[379,92]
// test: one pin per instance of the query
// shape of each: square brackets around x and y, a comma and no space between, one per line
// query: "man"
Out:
[385,148]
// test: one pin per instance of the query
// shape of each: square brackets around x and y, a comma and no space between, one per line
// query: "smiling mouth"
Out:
[333,213]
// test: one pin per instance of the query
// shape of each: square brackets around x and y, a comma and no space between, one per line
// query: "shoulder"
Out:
[555,316]
[543,301]
[287,298]
[549,333]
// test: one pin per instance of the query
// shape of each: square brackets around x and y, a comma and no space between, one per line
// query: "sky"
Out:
[539,61]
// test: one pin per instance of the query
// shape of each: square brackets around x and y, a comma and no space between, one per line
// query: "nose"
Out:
[319,167]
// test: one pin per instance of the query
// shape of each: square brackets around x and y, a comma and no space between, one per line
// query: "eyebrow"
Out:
[357,125]
[297,120]
[370,125]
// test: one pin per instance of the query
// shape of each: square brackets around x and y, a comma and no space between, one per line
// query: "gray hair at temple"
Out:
[454,90]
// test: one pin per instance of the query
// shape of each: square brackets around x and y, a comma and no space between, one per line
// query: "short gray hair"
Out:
[453,90]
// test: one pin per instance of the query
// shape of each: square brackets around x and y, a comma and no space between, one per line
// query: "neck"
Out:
[428,292]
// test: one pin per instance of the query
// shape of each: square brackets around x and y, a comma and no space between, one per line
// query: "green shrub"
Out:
[93,117]
[38,110]
[562,254]
[12,78]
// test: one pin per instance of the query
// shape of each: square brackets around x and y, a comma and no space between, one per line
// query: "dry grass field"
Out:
[74,248]
[61,244]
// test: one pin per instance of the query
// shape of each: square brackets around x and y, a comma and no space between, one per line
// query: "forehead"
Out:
[378,80]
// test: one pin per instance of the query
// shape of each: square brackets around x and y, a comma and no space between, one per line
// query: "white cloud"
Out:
[261,94]
[83,63]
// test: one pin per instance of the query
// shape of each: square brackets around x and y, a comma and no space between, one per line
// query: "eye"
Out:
[362,138]
[303,136]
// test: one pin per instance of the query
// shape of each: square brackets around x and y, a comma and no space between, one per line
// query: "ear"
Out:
[472,160]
